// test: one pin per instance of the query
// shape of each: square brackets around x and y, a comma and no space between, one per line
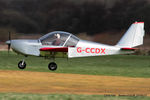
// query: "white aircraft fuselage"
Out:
[64,42]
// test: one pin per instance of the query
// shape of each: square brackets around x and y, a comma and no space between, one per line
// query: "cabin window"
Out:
[72,41]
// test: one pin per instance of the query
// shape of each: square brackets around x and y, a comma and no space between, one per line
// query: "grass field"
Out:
[118,65]
[15,96]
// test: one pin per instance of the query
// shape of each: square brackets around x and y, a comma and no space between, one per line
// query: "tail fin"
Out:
[133,37]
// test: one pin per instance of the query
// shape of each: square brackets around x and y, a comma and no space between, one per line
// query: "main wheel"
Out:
[22,65]
[52,66]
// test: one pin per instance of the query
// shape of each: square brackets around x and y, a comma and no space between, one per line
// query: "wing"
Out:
[56,49]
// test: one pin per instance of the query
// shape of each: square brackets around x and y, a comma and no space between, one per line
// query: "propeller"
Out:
[9,41]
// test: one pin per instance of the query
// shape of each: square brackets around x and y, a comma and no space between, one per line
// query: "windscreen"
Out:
[59,39]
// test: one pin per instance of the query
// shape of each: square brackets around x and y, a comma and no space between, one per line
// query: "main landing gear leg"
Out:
[52,66]
[22,64]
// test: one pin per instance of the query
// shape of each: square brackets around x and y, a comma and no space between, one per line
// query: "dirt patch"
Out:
[45,83]
[3,47]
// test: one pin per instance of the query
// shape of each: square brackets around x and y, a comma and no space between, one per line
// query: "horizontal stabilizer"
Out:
[129,49]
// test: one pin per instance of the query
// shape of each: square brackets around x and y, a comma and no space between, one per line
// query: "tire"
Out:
[22,66]
[52,66]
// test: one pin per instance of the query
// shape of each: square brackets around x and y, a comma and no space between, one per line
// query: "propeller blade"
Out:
[9,44]
[8,48]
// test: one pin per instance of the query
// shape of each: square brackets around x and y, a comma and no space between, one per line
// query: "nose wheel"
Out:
[22,64]
[52,66]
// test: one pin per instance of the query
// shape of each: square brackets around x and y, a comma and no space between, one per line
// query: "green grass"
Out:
[16,96]
[118,65]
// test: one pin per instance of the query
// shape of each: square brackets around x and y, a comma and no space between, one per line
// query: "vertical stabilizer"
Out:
[133,36]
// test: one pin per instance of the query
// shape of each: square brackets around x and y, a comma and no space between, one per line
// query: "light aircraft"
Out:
[64,44]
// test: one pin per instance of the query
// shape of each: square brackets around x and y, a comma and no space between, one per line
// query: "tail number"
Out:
[91,50]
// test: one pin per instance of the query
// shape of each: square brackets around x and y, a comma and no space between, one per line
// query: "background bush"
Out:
[76,16]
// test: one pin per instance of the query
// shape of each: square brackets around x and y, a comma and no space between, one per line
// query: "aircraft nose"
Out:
[17,45]
[25,47]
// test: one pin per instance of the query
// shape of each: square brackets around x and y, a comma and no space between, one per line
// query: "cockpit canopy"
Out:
[59,38]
